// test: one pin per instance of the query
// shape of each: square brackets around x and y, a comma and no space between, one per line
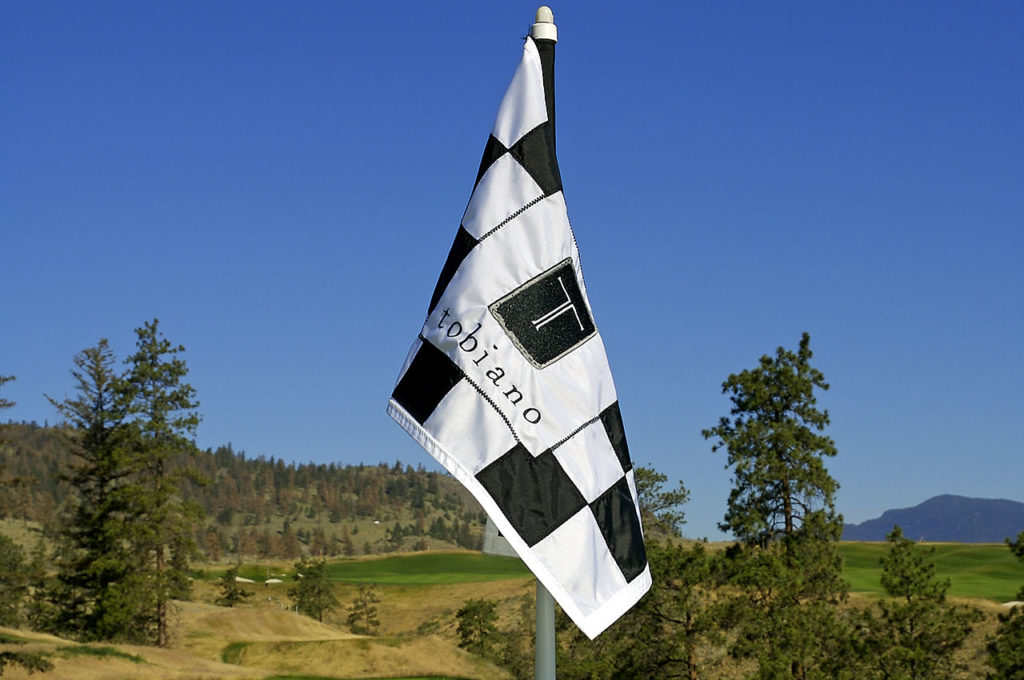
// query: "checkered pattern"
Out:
[508,385]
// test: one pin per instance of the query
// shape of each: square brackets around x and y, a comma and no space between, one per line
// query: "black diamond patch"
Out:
[547,316]
[620,526]
[535,494]
[463,243]
[429,378]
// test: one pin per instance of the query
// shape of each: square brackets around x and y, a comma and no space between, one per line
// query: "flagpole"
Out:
[544,644]
[545,35]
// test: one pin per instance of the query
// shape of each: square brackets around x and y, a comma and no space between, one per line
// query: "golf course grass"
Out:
[977,570]
[983,571]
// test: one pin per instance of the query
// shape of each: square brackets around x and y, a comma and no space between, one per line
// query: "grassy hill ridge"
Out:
[265,508]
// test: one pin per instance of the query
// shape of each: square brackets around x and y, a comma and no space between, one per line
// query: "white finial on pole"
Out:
[544,27]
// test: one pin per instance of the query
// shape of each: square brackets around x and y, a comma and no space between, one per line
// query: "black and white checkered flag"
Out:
[508,385]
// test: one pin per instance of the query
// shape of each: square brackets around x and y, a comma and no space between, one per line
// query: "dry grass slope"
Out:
[284,642]
[259,643]
[116,662]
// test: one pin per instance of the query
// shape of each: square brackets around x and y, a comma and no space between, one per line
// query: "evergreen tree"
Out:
[6,403]
[675,631]
[785,611]
[1006,648]
[914,634]
[313,594]
[98,594]
[13,582]
[775,446]
[782,509]
[688,610]
[348,548]
[362,613]
[163,418]
[659,509]
[13,482]
[477,626]
[231,591]
[13,587]
[39,610]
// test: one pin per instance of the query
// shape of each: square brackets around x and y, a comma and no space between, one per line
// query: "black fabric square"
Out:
[611,418]
[535,151]
[547,316]
[534,494]
[464,242]
[492,152]
[616,516]
[430,377]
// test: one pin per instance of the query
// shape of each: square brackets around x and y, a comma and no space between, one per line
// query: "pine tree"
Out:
[782,509]
[477,626]
[23,483]
[914,634]
[674,631]
[13,582]
[1006,648]
[659,509]
[6,403]
[786,614]
[162,418]
[775,446]
[98,593]
[362,612]
[231,591]
[313,594]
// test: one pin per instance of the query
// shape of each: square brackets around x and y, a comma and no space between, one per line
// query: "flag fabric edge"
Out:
[593,624]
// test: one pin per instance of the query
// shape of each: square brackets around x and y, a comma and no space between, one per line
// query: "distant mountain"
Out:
[946,518]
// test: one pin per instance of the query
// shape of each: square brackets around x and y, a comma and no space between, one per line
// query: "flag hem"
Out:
[593,624]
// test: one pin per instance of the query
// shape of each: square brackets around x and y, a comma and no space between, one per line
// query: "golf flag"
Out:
[507,384]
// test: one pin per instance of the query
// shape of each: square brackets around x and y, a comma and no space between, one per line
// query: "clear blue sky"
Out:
[279,183]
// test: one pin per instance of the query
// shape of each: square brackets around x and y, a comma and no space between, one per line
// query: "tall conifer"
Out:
[782,510]
[97,594]
[164,420]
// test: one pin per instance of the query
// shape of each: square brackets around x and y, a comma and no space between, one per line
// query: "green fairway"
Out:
[984,571]
[429,569]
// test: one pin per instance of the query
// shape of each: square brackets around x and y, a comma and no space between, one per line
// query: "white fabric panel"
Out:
[577,555]
[534,241]
[590,461]
[472,431]
[489,207]
[523,107]
[631,480]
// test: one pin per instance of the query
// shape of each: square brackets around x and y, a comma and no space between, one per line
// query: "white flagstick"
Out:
[544,644]
[544,28]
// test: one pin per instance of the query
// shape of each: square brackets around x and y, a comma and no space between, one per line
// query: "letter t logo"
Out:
[547,317]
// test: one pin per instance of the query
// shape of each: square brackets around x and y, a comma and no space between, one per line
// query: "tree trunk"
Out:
[161,599]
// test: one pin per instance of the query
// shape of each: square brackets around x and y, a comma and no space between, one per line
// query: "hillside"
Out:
[265,508]
[946,518]
[251,644]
